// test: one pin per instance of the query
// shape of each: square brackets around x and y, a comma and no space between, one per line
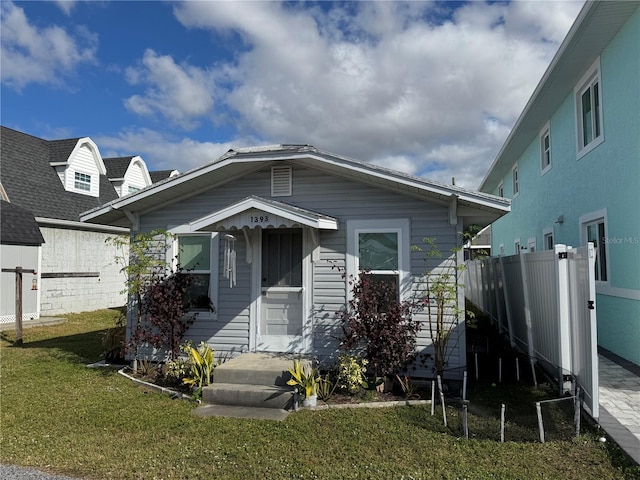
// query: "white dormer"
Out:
[81,171]
[136,177]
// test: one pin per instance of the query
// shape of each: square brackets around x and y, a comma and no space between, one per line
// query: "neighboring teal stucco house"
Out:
[571,165]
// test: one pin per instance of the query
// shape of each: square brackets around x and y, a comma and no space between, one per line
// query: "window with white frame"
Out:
[501,190]
[516,245]
[194,257]
[82,181]
[545,149]
[132,189]
[547,237]
[516,181]
[382,248]
[594,230]
[588,101]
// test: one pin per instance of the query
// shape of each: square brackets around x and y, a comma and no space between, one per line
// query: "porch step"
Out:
[267,369]
[261,396]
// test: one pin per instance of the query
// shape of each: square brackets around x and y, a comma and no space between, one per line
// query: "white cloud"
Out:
[66,5]
[376,81]
[40,55]
[180,93]
[161,151]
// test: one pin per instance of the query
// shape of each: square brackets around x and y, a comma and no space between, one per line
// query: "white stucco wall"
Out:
[79,252]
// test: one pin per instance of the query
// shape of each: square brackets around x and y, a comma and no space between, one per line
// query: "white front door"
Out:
[281,314]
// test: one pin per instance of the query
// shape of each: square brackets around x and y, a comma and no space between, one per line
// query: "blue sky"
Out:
[429,88]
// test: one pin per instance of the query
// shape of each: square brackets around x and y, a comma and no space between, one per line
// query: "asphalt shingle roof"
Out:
[159,175]
[117,166]
[18,226]
[32,183]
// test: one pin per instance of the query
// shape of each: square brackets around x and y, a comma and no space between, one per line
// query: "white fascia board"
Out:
[94,149]
[424,185]
[145,170]
[157,188]
[55,222]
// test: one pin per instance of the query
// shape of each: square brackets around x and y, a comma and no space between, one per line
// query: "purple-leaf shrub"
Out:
[378,325]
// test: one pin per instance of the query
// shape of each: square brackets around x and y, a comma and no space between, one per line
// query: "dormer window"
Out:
[82,182]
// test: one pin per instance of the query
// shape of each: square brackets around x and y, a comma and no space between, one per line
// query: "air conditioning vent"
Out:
[281,181]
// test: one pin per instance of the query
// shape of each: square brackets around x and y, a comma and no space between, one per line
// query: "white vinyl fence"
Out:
[545,302]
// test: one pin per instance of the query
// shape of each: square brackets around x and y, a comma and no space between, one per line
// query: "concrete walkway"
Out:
[620,402]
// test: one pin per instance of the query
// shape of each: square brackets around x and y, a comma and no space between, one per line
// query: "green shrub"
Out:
[351,373]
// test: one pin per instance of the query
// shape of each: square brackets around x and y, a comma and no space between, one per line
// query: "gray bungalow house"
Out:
[270,231]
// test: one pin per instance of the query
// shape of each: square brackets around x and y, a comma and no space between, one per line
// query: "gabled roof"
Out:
[280,212]
[596,25]
[239,162]
[32,183]
[18,226]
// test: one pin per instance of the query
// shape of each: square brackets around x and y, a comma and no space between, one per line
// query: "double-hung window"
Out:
[382,248]
[545,149]
[516,181]
[588,100]
[82,181]
[194,257]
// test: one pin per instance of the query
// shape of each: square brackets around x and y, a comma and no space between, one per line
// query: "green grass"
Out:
[61,417]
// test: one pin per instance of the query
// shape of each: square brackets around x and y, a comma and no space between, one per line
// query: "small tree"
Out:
[142,257]
[379,325]
[441,292]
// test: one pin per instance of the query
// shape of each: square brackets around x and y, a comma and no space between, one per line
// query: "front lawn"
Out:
[62,417]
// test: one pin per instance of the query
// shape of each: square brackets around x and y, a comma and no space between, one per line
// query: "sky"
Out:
[428,88]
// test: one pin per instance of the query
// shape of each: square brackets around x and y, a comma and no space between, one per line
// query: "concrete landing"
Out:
[241,412]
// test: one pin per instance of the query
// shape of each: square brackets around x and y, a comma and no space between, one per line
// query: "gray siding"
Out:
[334,196]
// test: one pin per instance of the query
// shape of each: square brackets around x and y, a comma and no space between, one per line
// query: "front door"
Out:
[280,326]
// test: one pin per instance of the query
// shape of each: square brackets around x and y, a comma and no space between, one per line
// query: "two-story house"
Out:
[571,165]
[56,180]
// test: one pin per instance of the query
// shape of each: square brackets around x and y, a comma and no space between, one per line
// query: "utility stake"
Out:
[464,386]
[433,397]
[576,414]
[502,409]
[444,412]
[500,370]
[533,372]
[465,425]
[517,369]
[540,424]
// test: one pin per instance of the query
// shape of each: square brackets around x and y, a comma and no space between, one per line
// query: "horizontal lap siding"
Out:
[328,195]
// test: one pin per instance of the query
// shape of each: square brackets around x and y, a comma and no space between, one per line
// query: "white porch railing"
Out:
[545,302]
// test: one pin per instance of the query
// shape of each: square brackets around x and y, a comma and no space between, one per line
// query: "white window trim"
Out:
[583,222]
[501,190]
[516,245]
[501,249]
[82,182]
[399,226]
[531,242]
[546,131]
[214,265]
[515,180]
[592,74]
[545,234]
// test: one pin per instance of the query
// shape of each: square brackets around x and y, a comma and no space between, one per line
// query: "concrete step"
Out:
[256,369]
[261,396]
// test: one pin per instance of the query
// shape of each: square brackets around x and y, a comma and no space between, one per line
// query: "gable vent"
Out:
[280,181]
